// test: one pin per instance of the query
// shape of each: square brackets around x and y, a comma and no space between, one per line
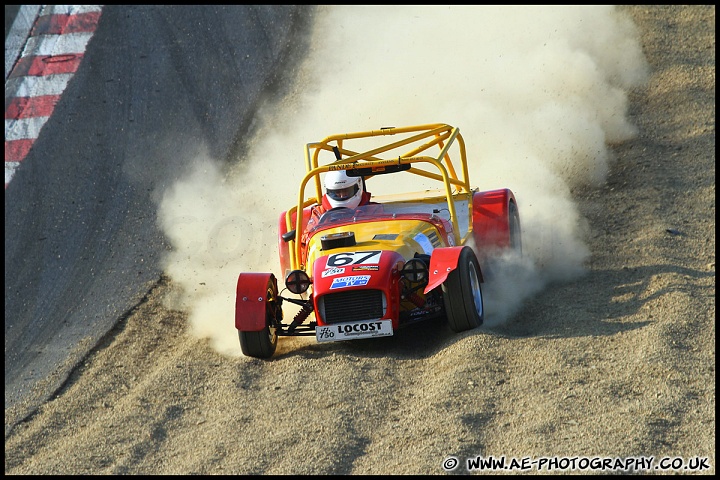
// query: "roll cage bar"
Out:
[441,137]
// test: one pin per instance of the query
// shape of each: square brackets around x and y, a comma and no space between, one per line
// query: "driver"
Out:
[341,190]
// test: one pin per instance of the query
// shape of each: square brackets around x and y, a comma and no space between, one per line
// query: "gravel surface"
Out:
[618,363]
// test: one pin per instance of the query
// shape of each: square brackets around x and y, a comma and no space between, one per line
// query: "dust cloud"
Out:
[539,94]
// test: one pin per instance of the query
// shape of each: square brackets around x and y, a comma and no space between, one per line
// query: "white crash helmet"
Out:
[342,190]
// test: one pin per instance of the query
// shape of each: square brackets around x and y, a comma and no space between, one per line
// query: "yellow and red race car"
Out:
[406,256]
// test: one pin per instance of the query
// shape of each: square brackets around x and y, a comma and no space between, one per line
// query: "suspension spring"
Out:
[415,299]
[301,316]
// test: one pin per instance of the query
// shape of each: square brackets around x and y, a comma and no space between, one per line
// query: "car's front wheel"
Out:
[462,293]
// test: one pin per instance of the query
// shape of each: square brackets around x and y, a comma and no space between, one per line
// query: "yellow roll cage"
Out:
[442,137]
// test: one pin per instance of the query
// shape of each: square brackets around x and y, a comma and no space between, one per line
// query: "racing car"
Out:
[407,256]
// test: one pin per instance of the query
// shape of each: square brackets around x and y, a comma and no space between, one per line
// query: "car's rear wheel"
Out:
[262,344]
[462,293]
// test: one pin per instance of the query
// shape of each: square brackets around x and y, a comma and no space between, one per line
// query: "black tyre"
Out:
[262,344]
[515,234]
[462,293]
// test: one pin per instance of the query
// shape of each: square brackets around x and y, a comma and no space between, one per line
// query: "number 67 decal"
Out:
[354,258]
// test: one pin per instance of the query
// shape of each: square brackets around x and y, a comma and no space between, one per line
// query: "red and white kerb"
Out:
[54,47]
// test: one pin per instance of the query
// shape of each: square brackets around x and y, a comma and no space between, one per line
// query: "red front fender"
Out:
[251,300]
[442,262]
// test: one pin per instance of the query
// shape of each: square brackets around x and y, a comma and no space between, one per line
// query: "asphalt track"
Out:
[82,246]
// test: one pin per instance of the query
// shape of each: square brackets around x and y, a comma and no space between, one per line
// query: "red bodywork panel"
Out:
[442,262]
[355,270]
[251,301]
[491,226]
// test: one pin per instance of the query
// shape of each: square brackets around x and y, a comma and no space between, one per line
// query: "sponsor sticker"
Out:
[451,240]
[366,268]
[332,271]
[354,330]
[351,281]
[354,258]
[424,242]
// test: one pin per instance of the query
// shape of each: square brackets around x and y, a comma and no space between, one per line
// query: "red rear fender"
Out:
[491,220]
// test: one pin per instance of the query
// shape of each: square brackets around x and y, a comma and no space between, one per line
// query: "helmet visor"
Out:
[341,194]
